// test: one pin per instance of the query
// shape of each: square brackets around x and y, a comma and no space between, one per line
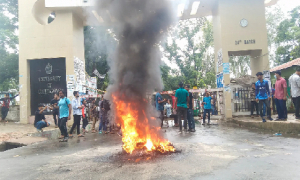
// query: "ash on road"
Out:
[215,152]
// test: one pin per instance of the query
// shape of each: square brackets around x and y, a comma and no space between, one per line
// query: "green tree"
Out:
[288,38]
[239,65]
[274,16]
[98,42]
[8,45]
[189,48]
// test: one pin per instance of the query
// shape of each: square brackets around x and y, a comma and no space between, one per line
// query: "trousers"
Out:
[206,111]
[254,104]
[190,118]
[296,102]
[281,108]
[260,107]
[182,114]
[55,115]
[4,111]
[63,126]
[76,123]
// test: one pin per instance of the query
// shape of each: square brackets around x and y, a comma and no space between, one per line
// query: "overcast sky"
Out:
[286,6]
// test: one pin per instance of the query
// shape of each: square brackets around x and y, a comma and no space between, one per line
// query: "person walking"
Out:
[159,103]
[254,104]
[207,108]
[55,109]
[190,110]
[93,115]
[85,122]
[101,123]
[105,106]
[5,105]
[77,113]
[262,93]
[65,109]
[280,97]
[182,99]
[294,83]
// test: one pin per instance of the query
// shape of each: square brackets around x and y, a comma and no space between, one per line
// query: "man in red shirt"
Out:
[280,97]
[5,105]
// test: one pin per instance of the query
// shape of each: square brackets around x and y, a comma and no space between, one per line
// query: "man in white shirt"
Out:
[294,82]
[77,113]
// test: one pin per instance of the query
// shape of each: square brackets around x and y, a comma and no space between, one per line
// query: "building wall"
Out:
[38,40]
[231,37]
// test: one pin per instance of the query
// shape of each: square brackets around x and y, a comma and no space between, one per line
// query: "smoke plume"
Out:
[140,25]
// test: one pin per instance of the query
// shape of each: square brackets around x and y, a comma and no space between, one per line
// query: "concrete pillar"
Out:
[63,38]
[231,36]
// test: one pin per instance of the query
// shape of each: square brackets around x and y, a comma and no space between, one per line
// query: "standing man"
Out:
[207,108]
[105,106]
[263,95]
[294,82]
[280,97]
[93,115]
[101,123]
[254,104]
[5,105]
[160,106]
[77,113]
[55,108]
[190,111]
[65,110]
[182,99]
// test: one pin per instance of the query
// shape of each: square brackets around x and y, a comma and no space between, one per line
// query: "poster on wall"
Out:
[226,68]
[220,80]
[220,58]
[47,77]
[267,77]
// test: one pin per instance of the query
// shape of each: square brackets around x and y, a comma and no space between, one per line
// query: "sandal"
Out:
[61,137]
[71,136]
[93,131]
[80,135]
[64,140]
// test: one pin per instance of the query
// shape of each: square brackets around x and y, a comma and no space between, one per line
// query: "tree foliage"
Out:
[8,45]
[190,48]
[98,41]
[288,38]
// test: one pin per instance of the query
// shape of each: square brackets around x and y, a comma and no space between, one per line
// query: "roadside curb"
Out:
[279,127]
[50,134]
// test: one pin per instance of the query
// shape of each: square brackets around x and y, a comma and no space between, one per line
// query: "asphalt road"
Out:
[215,152]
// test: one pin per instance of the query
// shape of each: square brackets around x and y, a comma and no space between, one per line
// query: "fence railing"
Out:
[241,99]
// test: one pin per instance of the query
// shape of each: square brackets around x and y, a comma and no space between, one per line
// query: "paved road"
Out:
[216,152]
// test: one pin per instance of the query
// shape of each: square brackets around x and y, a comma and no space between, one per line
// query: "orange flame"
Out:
[137,133]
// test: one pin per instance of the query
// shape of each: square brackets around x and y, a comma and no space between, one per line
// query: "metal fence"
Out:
[242,101]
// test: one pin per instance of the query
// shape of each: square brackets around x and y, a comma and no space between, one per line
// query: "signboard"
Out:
[226,68]
[47,77]
[220,80]
[220,58]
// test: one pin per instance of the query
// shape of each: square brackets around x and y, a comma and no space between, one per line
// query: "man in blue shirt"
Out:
[182,99]
[160,106]
[207,107]
[65,110]
[263,95]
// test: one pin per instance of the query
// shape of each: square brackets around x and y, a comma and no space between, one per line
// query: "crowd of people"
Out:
[183,107]
[261,96]
[85,110]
